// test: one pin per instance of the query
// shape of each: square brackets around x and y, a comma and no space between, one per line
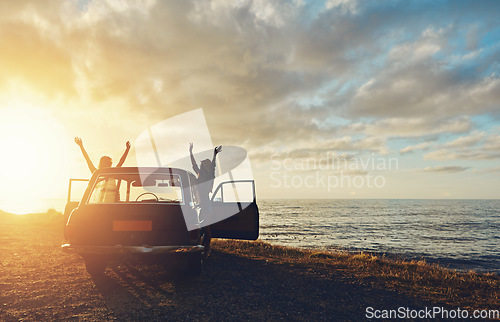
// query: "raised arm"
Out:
[193,161]
[91,166]
[124,156]
[216,150]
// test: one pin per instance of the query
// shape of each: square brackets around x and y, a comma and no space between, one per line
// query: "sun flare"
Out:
[21,151]
[33,156]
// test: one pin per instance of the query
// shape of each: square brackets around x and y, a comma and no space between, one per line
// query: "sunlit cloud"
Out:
[297,77]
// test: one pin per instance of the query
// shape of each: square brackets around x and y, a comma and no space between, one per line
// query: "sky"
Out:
[331,99]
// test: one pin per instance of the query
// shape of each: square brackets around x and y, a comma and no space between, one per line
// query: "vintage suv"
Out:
[125,216]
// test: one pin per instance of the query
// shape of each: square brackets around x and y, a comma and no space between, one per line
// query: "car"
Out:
[140,214]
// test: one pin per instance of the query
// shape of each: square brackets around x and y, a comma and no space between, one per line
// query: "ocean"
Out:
[459,234]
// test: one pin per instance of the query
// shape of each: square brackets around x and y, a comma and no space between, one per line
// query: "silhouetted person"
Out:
[108,191]
[204,185]
[105,161]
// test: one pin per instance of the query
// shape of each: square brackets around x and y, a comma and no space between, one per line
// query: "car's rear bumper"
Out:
[123,250]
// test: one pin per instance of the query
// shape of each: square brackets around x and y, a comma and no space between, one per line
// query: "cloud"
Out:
[466,141]
[477,146]
[342,148]
[412,148]
[32,51]
[425,90]
[468,154]
[389,70]
[421,79]
[441,155]
[345,6]
[411,127]
[445,169]
[430,42]
[492,143]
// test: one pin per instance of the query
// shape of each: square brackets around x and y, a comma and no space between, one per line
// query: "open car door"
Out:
[236,197]
[76,190]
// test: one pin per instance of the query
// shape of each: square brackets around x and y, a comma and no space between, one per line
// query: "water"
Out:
[460,234]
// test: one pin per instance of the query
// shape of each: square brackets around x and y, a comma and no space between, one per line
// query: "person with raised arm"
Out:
[105,161]
[204,185]
[108,191]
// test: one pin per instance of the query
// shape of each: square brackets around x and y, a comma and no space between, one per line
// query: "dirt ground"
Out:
[39,282]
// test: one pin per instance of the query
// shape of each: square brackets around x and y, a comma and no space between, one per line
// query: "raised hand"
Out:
[193,161]
[78,141]
[91,166]
[124,156]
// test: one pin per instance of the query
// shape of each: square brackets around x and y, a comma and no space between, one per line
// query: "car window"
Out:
[129,188]
[105,191]
[235,191]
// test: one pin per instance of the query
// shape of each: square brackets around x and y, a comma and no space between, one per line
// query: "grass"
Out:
[426,281]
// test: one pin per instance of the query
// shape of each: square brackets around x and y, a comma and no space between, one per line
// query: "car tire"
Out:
[95,265]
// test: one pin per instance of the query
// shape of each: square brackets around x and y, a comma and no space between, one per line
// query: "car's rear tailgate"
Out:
[128,225]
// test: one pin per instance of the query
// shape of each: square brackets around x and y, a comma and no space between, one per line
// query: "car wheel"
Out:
[95,265]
